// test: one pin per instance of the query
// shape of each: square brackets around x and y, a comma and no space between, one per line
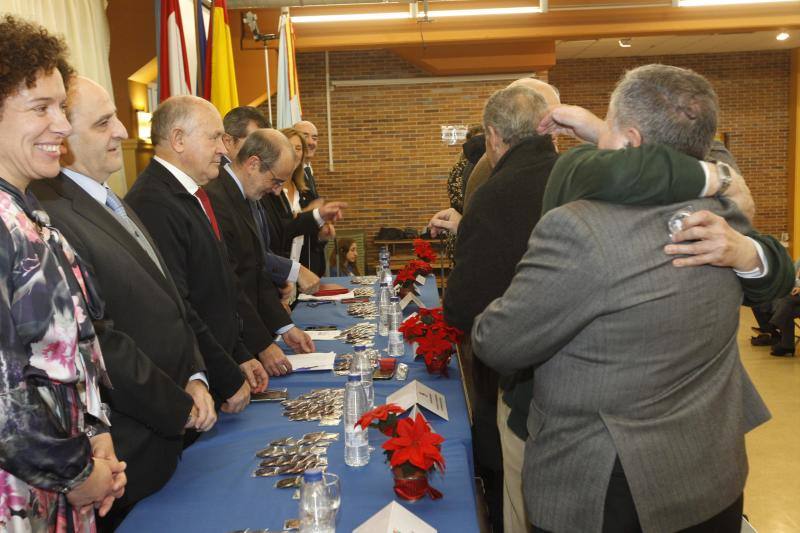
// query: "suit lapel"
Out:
[101,218]
[240,204]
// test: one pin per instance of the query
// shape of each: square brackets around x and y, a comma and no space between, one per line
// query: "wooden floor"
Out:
[772,494]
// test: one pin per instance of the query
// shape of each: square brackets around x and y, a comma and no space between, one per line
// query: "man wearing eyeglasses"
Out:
[261,165]
[240,122]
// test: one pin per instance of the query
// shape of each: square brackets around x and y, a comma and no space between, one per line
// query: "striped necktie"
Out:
[115,204]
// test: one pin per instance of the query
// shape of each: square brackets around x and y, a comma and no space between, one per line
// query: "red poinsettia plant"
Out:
[383,418]
[415,446]
[405,278]
[424,251]
[419,267]
[413,451]
[437,350]
[434,338]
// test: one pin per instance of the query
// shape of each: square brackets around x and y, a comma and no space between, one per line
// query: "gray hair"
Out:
[267,145]
[668,105]
[238,118]
[174,112]
[514,112]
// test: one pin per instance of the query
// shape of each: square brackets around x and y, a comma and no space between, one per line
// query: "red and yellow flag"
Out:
[220,76]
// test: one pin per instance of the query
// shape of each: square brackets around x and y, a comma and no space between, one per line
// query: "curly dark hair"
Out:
[26,51]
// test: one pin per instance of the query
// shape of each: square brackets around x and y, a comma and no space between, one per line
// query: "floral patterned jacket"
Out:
[50,363]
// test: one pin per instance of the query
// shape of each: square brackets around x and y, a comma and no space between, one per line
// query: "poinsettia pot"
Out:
[438,363]
[410,483]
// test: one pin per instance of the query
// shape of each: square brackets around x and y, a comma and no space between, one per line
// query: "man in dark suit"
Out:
[150,351]
[314,247]
[187,135]
[262,164]
[240,122]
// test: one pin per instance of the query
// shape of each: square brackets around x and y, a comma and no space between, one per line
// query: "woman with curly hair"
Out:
[57,461]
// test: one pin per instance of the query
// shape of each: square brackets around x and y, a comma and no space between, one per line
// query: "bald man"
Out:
[150,349]
[313,253]
[187,136]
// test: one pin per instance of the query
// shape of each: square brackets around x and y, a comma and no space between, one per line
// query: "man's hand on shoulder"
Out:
[716,244]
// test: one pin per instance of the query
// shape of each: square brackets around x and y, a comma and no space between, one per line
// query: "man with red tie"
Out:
[187,136]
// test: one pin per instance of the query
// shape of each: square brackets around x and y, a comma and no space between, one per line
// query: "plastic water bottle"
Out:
[396,348]
[384,306]
[317,514]
[383,258]
[356,439]
[362,365]
[387,273]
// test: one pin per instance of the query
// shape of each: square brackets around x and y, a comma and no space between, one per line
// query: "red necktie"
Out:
[203,197]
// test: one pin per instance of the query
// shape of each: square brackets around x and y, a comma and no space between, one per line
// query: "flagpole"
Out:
[269,85]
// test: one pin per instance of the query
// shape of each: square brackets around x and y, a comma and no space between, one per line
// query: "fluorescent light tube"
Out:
[482,12]
[352,17]
[397,15]
[698,3]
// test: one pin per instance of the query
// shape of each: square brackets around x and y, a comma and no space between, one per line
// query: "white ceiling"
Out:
[676,44]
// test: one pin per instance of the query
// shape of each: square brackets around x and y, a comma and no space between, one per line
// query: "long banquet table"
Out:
[213,489]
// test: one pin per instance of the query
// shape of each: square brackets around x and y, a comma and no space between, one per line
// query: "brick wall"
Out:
[391,166]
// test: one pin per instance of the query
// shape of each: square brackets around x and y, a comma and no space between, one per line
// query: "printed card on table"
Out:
[324,335]
[410,297]
[332,298]
[416,393]
[309,362]
[394,518]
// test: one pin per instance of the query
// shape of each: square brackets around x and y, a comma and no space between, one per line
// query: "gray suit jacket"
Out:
[633,357]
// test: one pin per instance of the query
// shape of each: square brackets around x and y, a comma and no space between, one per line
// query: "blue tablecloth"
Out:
[213,489]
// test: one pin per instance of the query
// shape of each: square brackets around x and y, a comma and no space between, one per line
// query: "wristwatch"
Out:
[725,176]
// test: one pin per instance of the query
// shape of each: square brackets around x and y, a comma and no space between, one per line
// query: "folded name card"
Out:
[416,393]
[394,518]
[408,298]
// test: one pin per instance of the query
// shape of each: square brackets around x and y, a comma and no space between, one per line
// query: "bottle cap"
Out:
[384,284]
[360,348]
[394,299]
[353,377]
[312,475]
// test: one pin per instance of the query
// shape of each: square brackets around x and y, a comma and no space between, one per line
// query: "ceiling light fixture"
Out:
[352,17]
[782,36]
[625,43]
[441,13]
[700,3]
[412,13]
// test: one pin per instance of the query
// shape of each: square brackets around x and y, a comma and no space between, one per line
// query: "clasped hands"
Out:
[105,483]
